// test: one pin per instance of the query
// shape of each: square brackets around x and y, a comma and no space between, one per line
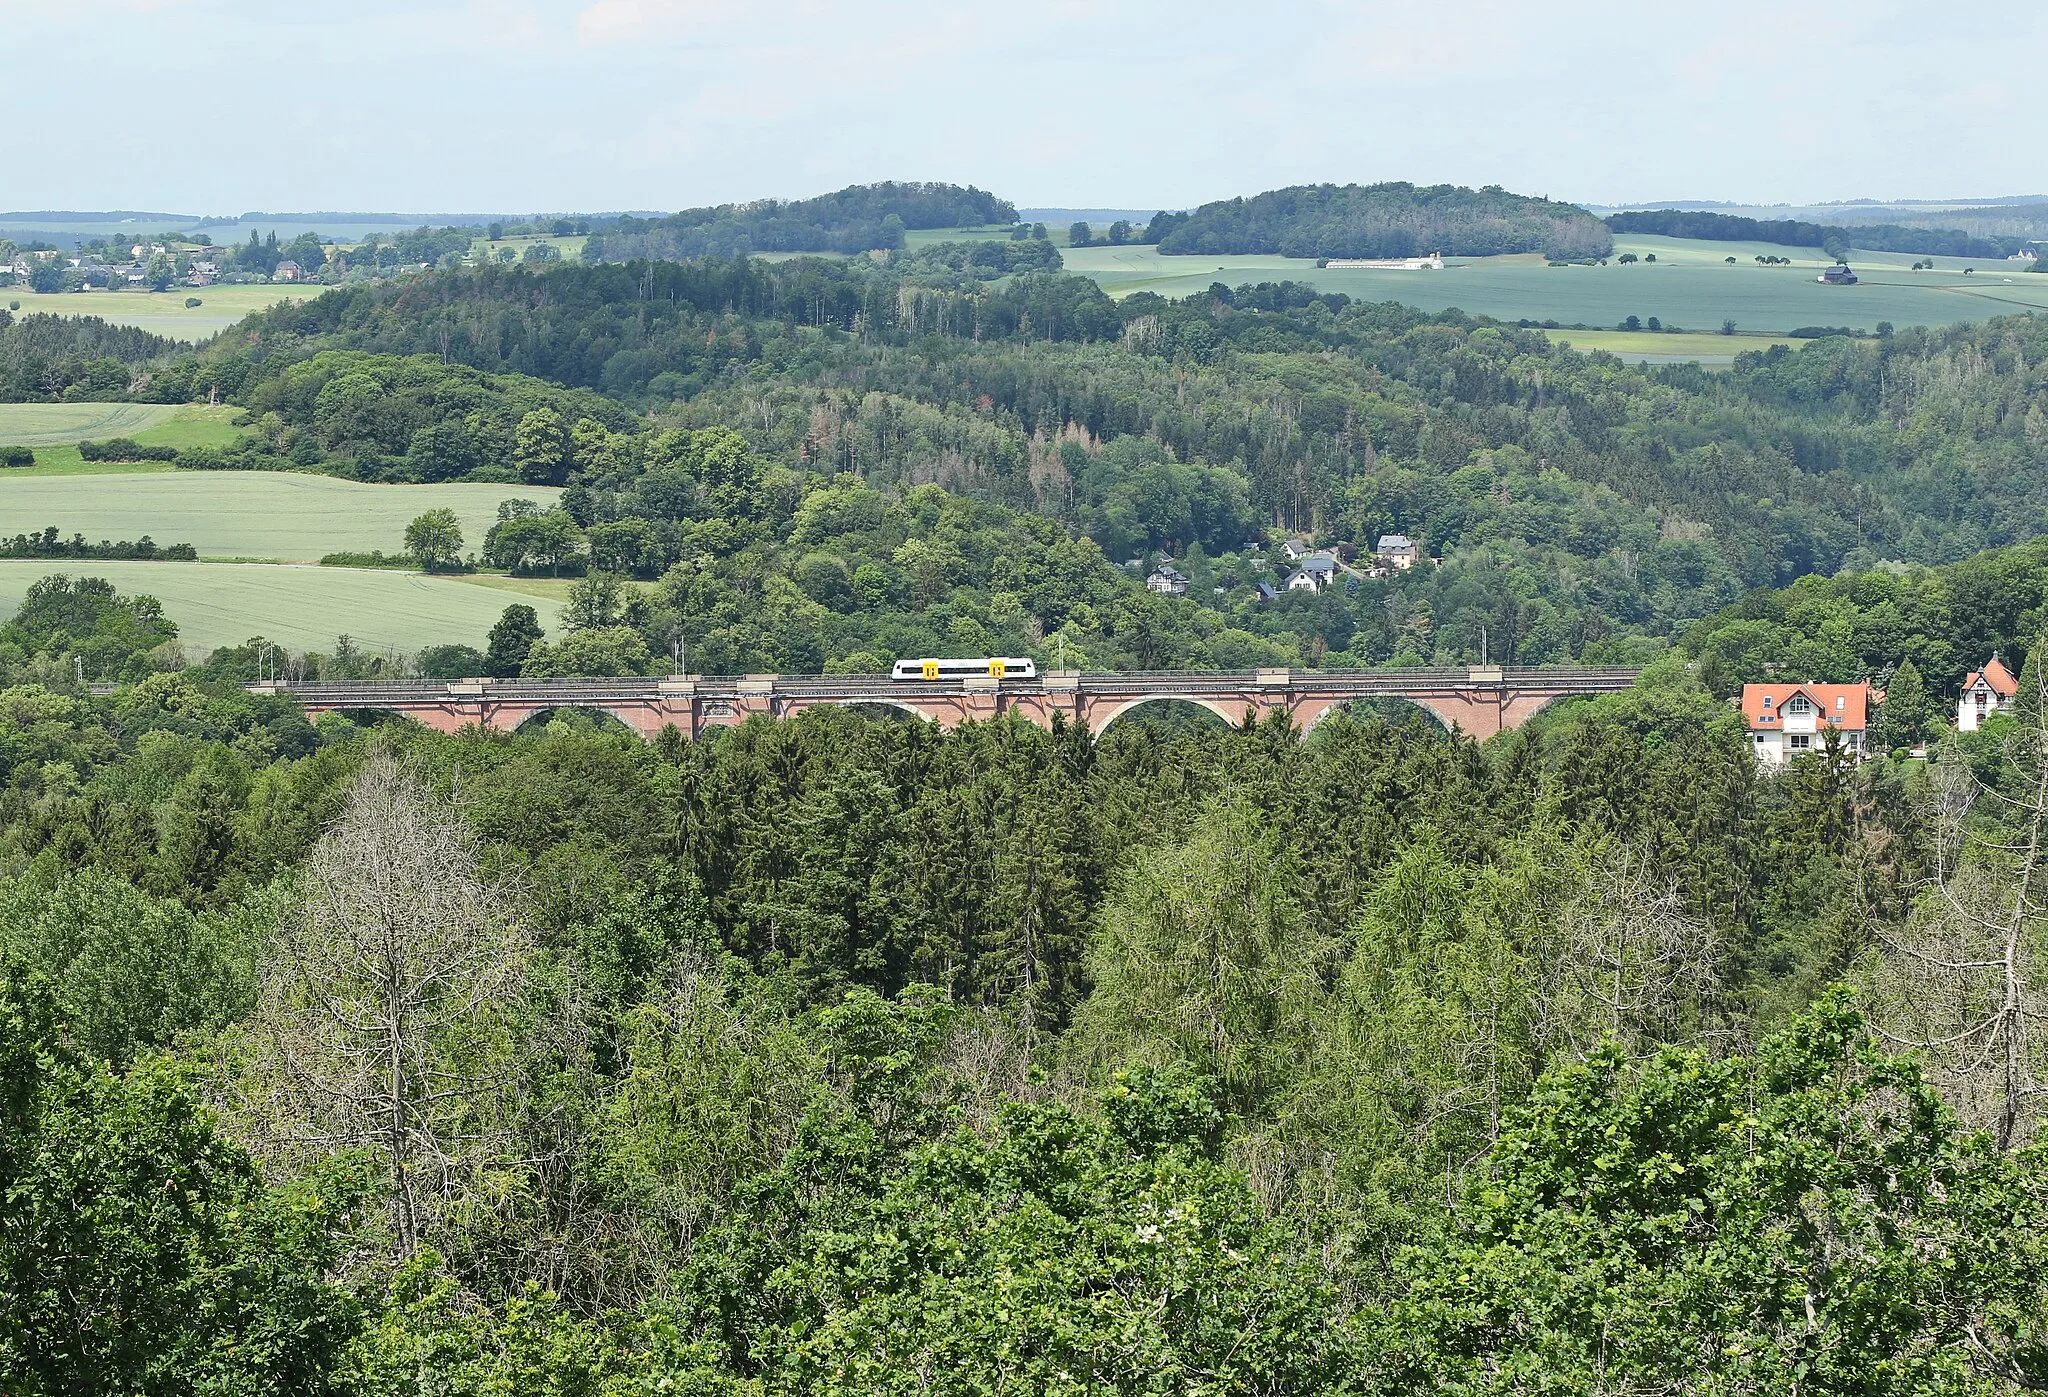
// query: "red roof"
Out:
[1844,706]
[1996,675]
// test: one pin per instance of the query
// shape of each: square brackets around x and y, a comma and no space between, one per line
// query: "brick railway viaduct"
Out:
[1479,701]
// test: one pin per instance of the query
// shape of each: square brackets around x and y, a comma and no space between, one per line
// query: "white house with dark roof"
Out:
[1316,572]
[1168,581]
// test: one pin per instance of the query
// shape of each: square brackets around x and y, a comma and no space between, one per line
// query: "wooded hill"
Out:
[1575,500]
[1383,220]
[1882,237]
[854,219]
[1579,504]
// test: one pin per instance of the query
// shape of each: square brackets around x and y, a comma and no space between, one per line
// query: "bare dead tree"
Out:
[382,1022]
[1624,959]
[1963,981]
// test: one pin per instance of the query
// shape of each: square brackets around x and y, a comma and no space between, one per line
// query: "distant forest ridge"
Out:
[858,218]
[1383,220]
[1881,237]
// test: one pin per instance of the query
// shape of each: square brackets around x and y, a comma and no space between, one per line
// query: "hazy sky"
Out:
[218,106]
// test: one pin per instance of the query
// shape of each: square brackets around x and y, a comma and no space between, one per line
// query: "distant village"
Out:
[161,265]
[1301,567]
[164,262]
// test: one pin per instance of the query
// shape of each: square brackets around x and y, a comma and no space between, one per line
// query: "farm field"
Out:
[55,429]
[570,247]
[64,424]
[553,588]
[915,238]
[247,514]
[301,608]
[1641,346]
[1690,285]
[163,312]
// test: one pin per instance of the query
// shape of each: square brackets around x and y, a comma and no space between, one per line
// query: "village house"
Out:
[1168,581]
[1791,720]
[1396,551]
[287,271]
[1985,691]
[1316,572]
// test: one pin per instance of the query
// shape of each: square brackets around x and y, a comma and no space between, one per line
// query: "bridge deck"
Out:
[853,687]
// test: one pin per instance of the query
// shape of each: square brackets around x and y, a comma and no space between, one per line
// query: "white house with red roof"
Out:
[1985,691]
[1791,720]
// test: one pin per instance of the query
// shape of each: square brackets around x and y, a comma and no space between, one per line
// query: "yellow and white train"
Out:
[944,671]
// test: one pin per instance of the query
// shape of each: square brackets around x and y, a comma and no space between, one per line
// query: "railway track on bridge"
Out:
[858,688]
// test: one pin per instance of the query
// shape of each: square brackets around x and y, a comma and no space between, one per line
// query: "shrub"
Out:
[193,303]
[16,456]
[125,449]
[377,559]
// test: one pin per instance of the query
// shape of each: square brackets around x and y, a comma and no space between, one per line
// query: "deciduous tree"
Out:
[435,538]
[382,1022]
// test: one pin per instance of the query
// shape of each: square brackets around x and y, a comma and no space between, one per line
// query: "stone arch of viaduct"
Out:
[1479,701]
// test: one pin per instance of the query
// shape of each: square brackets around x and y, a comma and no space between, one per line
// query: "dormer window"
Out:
[1797,705]
[1767,700]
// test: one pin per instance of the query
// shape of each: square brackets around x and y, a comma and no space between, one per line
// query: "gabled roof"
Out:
[1996,676]
[1389,542]
[1844,706]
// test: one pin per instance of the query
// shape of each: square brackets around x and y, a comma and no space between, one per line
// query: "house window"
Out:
[1797,705]
[1801,742]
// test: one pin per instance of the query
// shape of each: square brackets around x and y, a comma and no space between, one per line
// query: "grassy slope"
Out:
[298,607]
[247,514]
[1689,285]
[163,312]
[34,424]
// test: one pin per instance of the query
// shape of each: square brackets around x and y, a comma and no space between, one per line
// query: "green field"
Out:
[571,247]
[915,238]
[55,424]
[301,608]
[55,429]
[246,514]
[163,312]
[1689,285]
[1641,346]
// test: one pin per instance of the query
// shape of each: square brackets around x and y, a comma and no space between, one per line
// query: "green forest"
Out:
[855,219]
[851,1054]
[1383,220]
[896,448]
[1884,237]
[848,1054]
